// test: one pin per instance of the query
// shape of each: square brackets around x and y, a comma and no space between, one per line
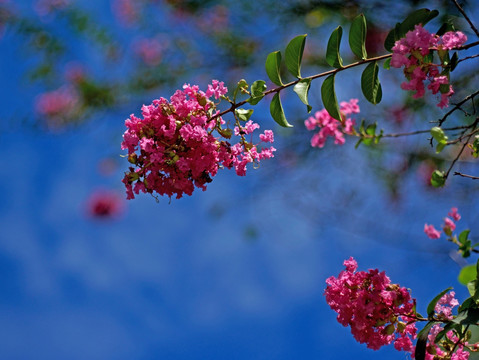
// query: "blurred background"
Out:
[237,271]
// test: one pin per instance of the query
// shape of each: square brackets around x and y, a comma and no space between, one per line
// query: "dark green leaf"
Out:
[370,84]
[277,112]
[420,352]
[438,178]
[421,16]
[463,236]
[332,52]
[387,64]
[432,304]
[468,273]
[294,55]
[244,114]
[453,62]
[273,63]
[302,89]
[328,96]
[357,36]
[469,316]
[257,90]
[447,26]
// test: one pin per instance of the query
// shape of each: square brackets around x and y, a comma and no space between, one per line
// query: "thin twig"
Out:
[466,175]
[458,105]
[466,17]
[462,149]
[467,58]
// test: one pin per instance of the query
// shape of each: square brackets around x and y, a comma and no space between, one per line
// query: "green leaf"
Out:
[277,112]
[432,304]
[294,55]
[420,352]
[357,36]
[257,92]
[273,63]
[453,62]
[438,178]
[332,52]
[421,16]
[242,84]
[468,273]
[244,114]
[469,316]
[463,236]
[328,96]
[441,138]
[387,64]
[302,89]
[370,84]
[472,288]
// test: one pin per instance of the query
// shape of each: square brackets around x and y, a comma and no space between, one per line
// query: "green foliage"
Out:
[257,91]
[294,55]
[465,243]
[441,138]
[368,134]
[432,304]
[357,36]
[387,64]
[273,64]
[475,146]
[468,273]
[420,352]
[242,86]
[302,90]
[421,16]
[244,114]
[277,112]
[328,95]
[332,52]
[438,178]
[370,84]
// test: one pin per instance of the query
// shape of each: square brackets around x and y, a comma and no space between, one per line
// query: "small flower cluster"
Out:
[436,350]
[59,106]
[330,127]
[173,147]
[448,227]
[150,51]
[377,311]
[104,204]
[413,52]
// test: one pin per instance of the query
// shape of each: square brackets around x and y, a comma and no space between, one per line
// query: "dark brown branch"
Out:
[458,105]
[466,17]
[466,175]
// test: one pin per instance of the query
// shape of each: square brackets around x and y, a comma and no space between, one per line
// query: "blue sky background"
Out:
[236,272]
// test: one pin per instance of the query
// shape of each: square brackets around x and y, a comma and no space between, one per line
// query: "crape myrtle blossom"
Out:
[180,144]
[434,350]
[330,127]
[448,227]
[414,52]
[378,312]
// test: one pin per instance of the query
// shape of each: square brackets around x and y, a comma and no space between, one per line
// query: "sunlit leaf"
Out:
[302,90]
[257,90]
[294,55]
[273,64]
[244,114]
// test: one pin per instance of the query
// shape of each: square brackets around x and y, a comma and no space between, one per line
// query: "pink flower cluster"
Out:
[173,146]
[377,311]
[105,204]
[330,127]
[150,51]
[448,227]
[413,52]
[58,103]
[443,311]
